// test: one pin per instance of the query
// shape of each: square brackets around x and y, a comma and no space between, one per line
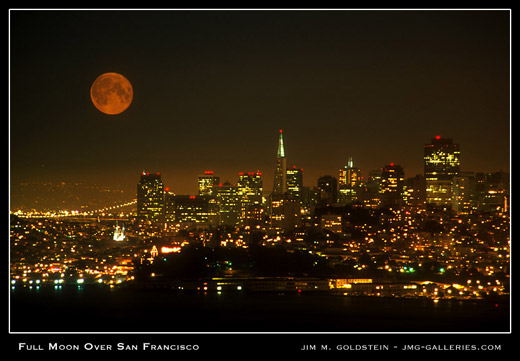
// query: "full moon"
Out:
[111,93]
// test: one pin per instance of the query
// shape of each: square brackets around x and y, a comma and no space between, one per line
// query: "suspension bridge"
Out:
[117,212]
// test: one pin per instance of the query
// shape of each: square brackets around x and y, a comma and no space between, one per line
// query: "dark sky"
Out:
[213,88]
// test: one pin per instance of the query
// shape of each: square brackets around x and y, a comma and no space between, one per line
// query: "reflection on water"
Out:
[93,309]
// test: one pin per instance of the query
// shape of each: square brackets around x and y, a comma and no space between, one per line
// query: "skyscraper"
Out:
[441,164]
[349,182]
[250,189]
[392,182]
[229,204]
[150,197]
[463,192]
[280,173]
[327,190]
[349,176]
[207,183]
[285,209]
[295,182]
[196,211]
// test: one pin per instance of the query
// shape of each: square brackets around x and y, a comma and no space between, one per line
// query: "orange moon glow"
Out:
[111,93]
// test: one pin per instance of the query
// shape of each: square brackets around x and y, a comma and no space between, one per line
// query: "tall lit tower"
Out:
[285,209]
[280,173]
[150,197]
[208,183]
[349,181]
[392,182]
[295,182]
[441,164]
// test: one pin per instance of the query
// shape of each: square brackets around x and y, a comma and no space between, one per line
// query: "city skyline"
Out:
[194,173]
[362,177]
[363,174]
[212,88]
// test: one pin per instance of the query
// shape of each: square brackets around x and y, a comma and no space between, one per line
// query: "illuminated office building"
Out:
[295,182]
[415,191]
[250,189]
[349,182]
[463,192]
[372,195]
[392,182]
[196,211]
[150,198]
[207,183]
[441,164]
[492,191]
[285,212]
[349,175]
[229,204]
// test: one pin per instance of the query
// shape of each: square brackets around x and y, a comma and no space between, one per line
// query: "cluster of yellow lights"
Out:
[73,213]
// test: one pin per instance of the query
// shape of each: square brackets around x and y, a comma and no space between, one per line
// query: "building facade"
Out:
[441,164]
[150,198]
[207,183]
[392,183]
[349,183]
[327,190]
[295,183]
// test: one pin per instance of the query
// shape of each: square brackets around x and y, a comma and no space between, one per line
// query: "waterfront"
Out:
[94,309]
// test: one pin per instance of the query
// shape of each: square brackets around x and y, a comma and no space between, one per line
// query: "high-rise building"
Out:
[195,211]
[327,190]
[349,181]
[280,173]
[349,175]
[207,183]
[284,208]
[150,198]
[492,191]
[441,164]
[415,191]
[463,192]
[250,189]
[371,196]
[229,204]
[392,182]
[295,182]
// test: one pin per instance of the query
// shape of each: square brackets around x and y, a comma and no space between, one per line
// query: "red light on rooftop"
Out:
[281,131]
[437,137]
[192,197]
[391,164]
[208,172]
[167,189]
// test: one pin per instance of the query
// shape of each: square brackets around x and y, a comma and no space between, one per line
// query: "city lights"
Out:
[278,171]
[385,234]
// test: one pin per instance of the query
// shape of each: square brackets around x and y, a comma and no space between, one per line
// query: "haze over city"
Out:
[212,89]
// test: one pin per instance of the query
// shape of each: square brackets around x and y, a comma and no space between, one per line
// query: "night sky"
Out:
[213,88]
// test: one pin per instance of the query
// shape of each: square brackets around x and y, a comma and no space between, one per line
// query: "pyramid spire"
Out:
[280,177]
[281,151]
